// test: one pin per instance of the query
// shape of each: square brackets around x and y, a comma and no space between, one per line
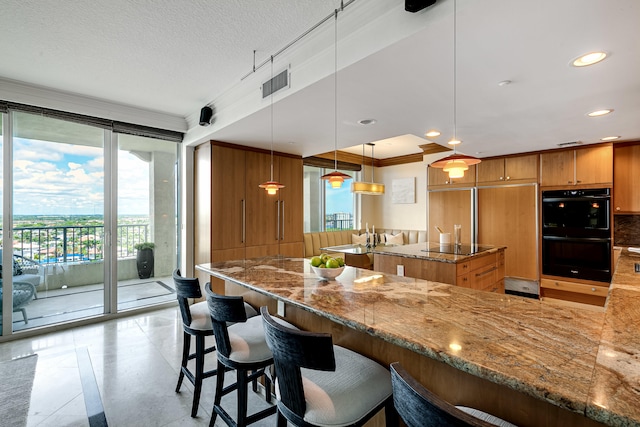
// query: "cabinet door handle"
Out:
[243,219]
[569,182]
[578,181]
[282,219]
[278,220]
[508,178]
[501,178]
[486,272]
[617,208]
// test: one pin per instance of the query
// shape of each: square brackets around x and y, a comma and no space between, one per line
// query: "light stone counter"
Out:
[581,360]
[431,251]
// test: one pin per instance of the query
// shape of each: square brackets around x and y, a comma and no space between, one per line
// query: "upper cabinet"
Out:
[508,170]
[438,179]
[584,166]
[626,189]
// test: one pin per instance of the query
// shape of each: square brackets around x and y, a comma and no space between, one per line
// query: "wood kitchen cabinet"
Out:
[626,185]
[447,208]
[584,292]
[484,271]
[236,219]
[506,217]
[438,179]
[583,166]
[508,170]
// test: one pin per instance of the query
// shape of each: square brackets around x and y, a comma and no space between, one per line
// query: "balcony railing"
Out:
[62,244]
[338,221]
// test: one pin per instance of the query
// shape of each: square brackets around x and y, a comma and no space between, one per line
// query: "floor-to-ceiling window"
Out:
[147,221]
[58,217]
[326,208]
[85,200]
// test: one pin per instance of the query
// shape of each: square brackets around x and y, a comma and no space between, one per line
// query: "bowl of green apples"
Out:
[327,267]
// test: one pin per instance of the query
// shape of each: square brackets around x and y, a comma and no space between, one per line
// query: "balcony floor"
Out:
[77,302]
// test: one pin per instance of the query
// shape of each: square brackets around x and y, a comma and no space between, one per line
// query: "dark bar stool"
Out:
[241,347]
[196,322]
[338,388]
[419,407]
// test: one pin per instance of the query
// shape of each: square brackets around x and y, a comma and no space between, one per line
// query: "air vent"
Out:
[567,144]
[275,84]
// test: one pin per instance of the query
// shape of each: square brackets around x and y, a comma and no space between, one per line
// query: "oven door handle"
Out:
[578,239]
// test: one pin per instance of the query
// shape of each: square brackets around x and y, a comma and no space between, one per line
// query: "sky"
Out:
[339,199]
[52,178]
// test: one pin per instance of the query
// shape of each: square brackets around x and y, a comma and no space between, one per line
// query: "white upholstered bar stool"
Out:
[196,323]
[241,347]
[419,407]
[321,384]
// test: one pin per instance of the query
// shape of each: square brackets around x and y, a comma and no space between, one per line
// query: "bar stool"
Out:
[419,407]
[338,388]
[196,322]
[241,347]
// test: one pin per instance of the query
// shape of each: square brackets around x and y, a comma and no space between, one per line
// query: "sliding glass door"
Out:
[91,225]
[58,218]
[147,221]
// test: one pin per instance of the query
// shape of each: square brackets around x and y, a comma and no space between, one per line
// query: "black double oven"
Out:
[576,234]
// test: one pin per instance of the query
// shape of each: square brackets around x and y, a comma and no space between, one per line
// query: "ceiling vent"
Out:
[567,144]
[276,83]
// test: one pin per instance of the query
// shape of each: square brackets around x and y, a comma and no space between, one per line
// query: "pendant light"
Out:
[271,186]
[456,164]
[335,178]
[371,188]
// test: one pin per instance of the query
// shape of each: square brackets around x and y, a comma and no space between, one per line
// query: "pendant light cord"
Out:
[455,69]
[271,89]
[335,89]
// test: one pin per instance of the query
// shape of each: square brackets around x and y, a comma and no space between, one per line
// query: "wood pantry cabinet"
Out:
[234,218]
[626,185]
[438,179]
[508,170]
[507,217]
[584,166]
[447,208]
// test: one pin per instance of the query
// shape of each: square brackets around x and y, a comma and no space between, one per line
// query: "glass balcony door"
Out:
[146,221]
[79,203]
[58,225]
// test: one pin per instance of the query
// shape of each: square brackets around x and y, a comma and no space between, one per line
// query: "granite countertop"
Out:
[583,360]
[436,252]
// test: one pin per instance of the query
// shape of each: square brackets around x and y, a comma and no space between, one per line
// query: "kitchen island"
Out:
[526,361]
[468,265]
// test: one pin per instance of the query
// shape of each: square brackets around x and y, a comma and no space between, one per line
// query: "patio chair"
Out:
[22,294]
[25,270]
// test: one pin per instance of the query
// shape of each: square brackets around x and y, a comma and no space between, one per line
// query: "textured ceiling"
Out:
[395,67]
[164,55]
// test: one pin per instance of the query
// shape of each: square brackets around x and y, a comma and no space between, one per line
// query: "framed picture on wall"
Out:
[403,190]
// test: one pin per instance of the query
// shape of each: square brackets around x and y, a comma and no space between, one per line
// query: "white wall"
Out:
[381,212]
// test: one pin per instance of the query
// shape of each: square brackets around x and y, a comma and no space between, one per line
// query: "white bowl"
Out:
[327,273]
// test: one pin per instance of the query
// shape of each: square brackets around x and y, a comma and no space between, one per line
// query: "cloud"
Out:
[58,178]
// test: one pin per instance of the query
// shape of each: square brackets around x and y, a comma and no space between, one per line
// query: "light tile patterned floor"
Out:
[135,362]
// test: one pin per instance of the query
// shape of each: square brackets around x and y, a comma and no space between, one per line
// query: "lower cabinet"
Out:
[594,293]
[481,272]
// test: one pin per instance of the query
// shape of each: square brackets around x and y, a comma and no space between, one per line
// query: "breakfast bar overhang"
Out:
[530,363]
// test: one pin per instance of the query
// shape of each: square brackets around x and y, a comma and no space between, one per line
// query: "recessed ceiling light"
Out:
[366,122]
[609,138]
[432,133]
[598,113]
[504,83]
[454,142]
[588,59]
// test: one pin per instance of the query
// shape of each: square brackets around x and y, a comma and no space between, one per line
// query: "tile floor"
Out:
[134,361]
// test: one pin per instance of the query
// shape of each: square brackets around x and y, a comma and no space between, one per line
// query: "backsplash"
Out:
[626,230]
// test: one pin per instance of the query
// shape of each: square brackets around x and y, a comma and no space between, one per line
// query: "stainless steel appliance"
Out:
[576,234]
